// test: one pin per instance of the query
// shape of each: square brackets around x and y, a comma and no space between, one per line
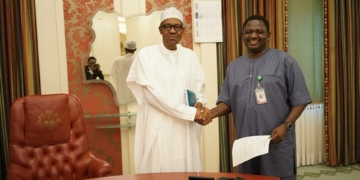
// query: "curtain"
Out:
[19,65]
[234,13]
[341,81]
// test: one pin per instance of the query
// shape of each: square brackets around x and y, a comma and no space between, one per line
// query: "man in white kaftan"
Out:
[167,139]
[119,72]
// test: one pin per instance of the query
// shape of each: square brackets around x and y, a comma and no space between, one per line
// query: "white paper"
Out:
[249,147]
[207,21]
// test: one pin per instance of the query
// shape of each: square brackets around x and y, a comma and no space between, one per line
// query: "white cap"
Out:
[171,13]
[130,44]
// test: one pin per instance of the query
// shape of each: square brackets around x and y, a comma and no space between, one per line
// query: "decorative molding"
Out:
[96,98]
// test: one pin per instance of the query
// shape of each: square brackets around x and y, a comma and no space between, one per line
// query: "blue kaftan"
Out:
[285,88]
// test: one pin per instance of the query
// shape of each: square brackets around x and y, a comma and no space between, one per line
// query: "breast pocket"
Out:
[270,80]
[273,85]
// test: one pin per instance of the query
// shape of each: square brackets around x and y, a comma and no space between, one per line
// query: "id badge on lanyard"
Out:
[260,92]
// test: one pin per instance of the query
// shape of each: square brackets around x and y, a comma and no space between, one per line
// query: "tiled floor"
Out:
[323,172]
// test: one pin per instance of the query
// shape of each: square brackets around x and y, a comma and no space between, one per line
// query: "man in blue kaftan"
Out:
[266,92]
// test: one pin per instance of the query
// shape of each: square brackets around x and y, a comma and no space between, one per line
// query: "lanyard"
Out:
[259,78]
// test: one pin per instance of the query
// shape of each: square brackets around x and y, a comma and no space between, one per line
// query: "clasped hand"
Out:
[203,115]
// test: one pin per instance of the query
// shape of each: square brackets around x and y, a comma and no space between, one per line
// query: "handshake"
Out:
[203,114]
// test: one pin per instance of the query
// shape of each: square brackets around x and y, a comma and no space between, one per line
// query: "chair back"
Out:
[47,138]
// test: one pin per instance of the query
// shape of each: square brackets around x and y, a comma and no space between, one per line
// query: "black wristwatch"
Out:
[288,125]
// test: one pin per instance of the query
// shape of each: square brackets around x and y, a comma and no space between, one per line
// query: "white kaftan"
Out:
[119,72]
[166,138]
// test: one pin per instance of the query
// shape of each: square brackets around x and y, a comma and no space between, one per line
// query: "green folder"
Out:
[190,98]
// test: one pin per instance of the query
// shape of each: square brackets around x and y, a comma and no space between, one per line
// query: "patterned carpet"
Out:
[323,172]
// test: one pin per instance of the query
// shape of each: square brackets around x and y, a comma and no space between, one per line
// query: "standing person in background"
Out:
[266,92]
[167,139]
[119,72]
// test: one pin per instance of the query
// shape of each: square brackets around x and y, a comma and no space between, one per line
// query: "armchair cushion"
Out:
[47,120]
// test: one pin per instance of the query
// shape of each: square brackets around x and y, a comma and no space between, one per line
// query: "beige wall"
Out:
[53,71]
[51,42]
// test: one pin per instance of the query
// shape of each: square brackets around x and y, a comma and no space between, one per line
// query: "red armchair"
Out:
[47,140]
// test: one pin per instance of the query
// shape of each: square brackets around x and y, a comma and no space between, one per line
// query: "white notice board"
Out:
[207,21]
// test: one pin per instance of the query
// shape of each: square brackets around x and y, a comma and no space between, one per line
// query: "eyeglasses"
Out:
[168,27]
